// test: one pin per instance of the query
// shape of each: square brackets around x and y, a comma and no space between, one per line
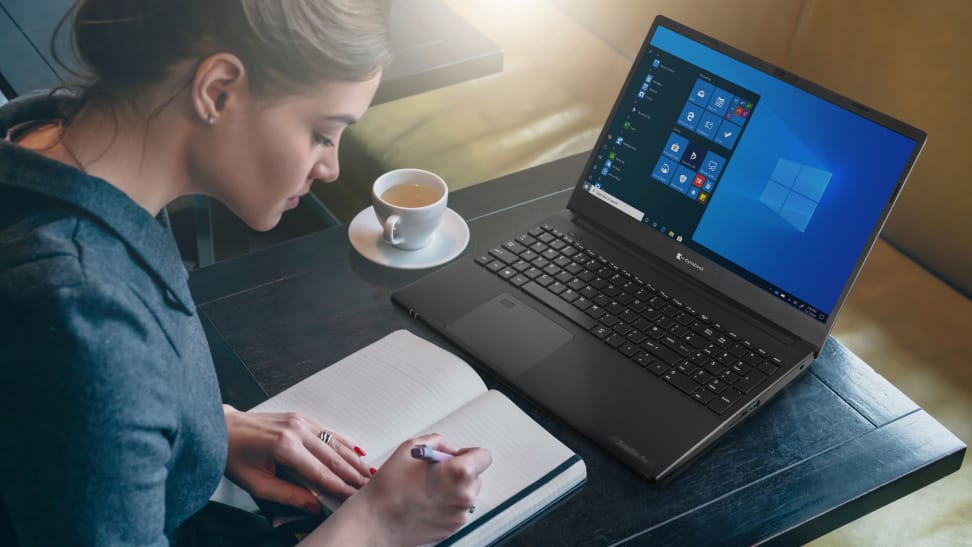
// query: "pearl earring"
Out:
[211,120]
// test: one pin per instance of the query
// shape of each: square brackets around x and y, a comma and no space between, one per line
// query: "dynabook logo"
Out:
[682,258]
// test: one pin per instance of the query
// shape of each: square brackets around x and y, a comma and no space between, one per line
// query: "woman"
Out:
[114,430]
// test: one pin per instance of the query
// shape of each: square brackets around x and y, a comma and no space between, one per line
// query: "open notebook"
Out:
[402,386]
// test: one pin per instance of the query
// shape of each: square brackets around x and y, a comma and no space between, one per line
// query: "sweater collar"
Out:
[149,239]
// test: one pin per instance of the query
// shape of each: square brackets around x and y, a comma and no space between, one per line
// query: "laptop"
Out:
[706,249]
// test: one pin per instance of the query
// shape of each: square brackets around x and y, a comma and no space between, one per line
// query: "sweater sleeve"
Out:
[89,422]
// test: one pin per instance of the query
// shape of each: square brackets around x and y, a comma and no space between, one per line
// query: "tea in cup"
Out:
[409,204]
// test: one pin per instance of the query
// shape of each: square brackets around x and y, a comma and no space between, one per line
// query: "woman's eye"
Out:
[321,140]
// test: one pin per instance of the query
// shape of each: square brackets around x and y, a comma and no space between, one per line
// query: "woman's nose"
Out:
[328,172]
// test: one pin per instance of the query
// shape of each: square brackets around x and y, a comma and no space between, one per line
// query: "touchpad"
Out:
[508,334]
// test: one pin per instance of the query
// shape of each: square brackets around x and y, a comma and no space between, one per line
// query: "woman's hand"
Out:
[409,501]
[259,443]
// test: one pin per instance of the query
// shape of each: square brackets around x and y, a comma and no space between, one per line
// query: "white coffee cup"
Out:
[409,204]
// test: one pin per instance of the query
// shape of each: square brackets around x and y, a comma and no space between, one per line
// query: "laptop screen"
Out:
[771,182]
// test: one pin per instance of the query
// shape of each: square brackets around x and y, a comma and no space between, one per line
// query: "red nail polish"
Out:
[313,508]
[373,470]
[358,451]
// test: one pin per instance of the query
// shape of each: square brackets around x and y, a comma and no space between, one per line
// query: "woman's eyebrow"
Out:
[347,119]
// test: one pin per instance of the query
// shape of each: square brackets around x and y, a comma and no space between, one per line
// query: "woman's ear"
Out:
[220,80]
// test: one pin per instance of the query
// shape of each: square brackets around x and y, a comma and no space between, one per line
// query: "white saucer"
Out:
[448,241]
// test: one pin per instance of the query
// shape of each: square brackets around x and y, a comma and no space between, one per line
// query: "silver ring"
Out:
[472,509]
[325,436]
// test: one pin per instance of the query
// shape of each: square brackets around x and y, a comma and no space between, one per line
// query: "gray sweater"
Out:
[113,433]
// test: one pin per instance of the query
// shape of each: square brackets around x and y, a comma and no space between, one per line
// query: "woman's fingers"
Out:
[351,468]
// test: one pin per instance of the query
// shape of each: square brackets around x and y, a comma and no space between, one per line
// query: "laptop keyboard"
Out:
[698,356]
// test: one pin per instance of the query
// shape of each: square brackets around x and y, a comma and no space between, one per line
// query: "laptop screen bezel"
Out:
[759,302]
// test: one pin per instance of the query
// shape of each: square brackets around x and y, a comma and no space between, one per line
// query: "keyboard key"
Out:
[532,273]
[676,345]
[701,377]
[529,256]
[719,405]
[514,247]
[582,303]
[622,328]
[601,332]
[552,270]
[614,308]
[506,273]
[716,386]
[608,319]
[526,240]
[504,255]
[495,266]
[687,368]
[661,352]
[729,377]
[703,396]
[615,340]
[658,368]
[544,280]
[601,300]
[521,265]
[748,382]
[556,287]
[550,254]
[589,292]
[731,395]
[565,309]
[576,284]
[569,295]
[519,279]
[635,337]
[595,311]
[574,268]
[483,260]
[644,359]
[682,382]
[564,277]
[628,349]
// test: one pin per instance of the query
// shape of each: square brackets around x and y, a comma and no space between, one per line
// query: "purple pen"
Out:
[429,454]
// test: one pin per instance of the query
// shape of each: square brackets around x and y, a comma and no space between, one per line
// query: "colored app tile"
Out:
[712,165]
[721,99]
[703,197]
[675,147]
[664,170]
[682,179]
[708,125]
[690,116]
[727,134]
[701,93]
[708,185]
[692,157]
[698,181]
[692,192]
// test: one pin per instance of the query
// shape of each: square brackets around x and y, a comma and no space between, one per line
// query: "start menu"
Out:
[669,143]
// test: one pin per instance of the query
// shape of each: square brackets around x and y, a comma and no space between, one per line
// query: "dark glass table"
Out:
[838,443]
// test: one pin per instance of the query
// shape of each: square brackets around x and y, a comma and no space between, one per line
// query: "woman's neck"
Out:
[141,155]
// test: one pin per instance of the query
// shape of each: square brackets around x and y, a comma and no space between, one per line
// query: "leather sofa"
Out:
[909,314]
